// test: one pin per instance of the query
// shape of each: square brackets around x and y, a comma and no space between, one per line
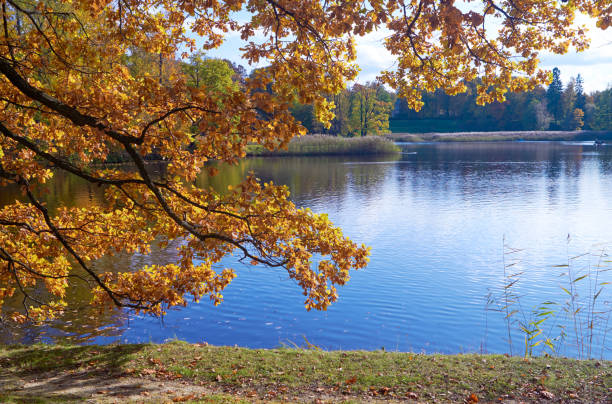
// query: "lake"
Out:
[436,217]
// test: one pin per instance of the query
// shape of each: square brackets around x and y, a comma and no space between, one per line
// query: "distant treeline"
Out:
[559,107]
[370,110]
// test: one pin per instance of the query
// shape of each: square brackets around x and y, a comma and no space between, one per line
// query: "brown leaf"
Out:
[155,361]
[547,395]
[184,398]
[412,395]
[350,381]
[473,398]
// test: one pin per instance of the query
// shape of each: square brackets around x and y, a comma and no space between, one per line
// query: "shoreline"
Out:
[182,372]
[583,135]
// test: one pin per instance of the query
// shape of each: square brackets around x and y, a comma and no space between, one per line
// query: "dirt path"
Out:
[94,387]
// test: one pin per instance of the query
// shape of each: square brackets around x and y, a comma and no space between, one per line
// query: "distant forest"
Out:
[371,109]
[559,107]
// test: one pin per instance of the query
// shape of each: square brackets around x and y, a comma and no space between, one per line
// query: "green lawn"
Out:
[245,375]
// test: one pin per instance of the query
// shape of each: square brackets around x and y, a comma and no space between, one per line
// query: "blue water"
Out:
[436,217]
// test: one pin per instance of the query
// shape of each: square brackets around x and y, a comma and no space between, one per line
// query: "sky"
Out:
[594,64]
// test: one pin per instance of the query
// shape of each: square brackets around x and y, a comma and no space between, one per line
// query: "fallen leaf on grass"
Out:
[412,395]
[350,381]
[547,395]
[181,399]
[473,398]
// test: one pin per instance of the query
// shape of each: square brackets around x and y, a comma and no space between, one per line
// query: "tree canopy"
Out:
[82,78]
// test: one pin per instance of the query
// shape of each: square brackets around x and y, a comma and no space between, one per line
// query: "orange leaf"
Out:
[352,380]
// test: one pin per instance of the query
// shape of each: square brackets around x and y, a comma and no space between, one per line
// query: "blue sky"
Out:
[595,64]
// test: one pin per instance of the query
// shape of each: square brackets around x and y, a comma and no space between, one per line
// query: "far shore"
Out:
[579,135]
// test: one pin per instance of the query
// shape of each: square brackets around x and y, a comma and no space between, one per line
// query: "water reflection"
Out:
[434,216]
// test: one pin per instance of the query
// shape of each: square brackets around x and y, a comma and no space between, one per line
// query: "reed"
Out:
[314,145]
[581,319]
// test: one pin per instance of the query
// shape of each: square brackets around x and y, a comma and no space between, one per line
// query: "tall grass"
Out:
[584,135]
[581,318]
[330,145]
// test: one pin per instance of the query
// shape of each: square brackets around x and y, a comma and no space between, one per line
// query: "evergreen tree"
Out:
[553,96]
[579,90]
[568,102]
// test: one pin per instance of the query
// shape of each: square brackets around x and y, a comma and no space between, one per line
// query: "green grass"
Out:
[342,375]
[313,145]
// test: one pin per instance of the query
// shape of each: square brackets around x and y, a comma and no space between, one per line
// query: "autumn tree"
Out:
[68,96]
[577,121]
[214,75]
[370,107]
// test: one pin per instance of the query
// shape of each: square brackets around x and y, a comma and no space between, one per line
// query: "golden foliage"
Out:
[75,85]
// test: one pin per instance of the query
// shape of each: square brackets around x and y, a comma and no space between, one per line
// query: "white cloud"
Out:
[372,56]
[594,64]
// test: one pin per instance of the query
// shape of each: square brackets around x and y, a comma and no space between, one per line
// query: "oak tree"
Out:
[68,97]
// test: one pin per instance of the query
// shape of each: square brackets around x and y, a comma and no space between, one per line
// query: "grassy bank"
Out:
[198,373]
[584,135]
[313,145]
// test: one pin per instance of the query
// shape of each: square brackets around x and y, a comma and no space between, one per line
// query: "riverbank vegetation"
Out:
[579,135]
[579,320]
[180,371]
[313,145]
